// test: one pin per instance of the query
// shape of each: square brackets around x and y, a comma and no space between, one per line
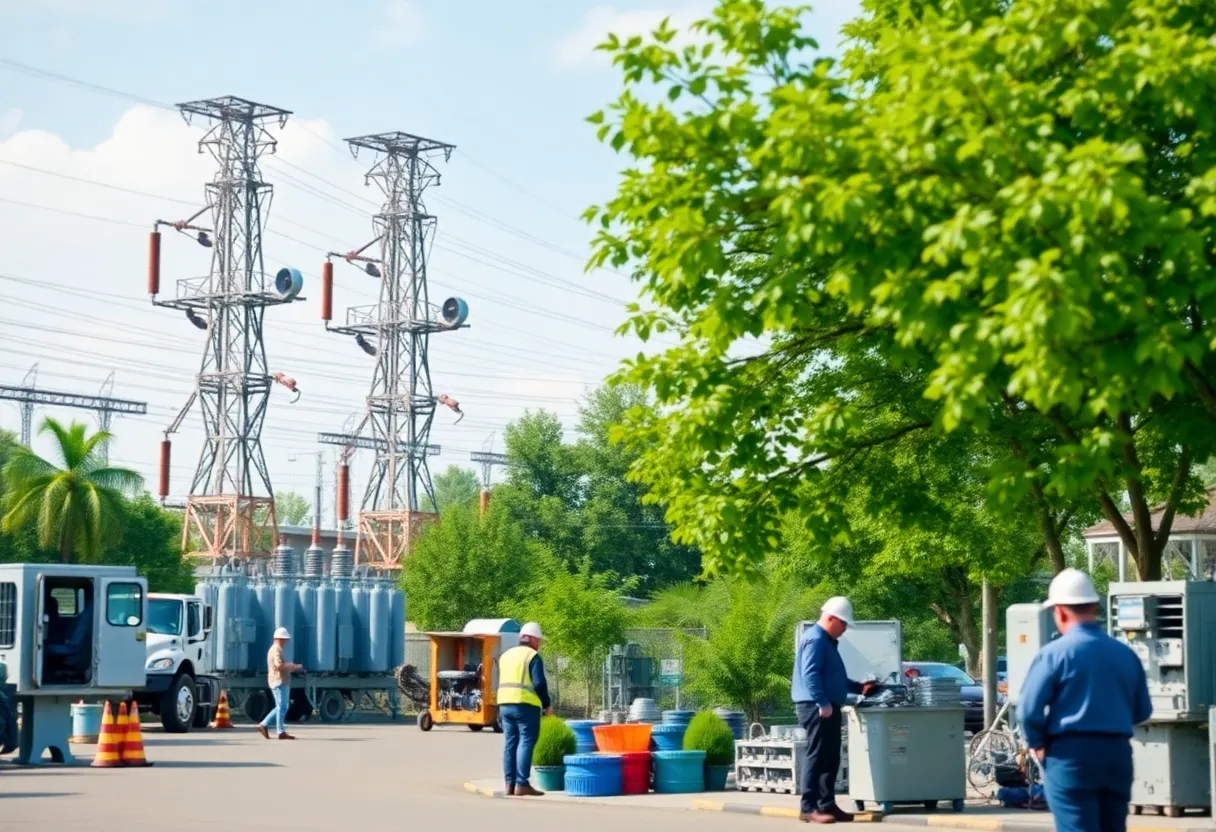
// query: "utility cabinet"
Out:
[1171,627]
[906,755]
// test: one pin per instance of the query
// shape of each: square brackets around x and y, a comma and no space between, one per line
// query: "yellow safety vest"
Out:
[515,677]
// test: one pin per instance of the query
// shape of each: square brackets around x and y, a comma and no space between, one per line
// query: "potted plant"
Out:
[709,732]
[555,741]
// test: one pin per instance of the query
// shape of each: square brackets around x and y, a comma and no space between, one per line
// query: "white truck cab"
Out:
[179,686]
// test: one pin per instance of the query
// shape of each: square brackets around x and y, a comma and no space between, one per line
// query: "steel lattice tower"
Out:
[401,404]
[231,502]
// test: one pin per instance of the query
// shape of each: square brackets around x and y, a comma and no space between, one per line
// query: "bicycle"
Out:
[999,754]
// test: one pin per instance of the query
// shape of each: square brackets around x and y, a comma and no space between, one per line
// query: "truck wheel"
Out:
[257,705]
[178,705]
[332,706]
[299,709]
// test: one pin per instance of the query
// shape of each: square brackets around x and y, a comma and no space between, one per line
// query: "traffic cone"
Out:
[223,719]
[109,742]
[133,746]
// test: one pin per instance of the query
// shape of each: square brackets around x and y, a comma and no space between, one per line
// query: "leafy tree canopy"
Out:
[1008,207]
[456,487]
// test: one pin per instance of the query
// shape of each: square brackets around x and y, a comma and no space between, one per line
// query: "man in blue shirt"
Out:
[819,689]
[1083,695]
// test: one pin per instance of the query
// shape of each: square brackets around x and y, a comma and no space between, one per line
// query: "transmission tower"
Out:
[401,404]
[28,394]
[230,510]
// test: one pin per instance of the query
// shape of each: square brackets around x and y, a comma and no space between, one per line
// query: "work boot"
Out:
[262,730]
[286,737]
[816,817]
[527,791]
[510,788]
[841,815]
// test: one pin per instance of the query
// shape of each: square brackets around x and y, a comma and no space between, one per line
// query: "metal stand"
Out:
[46,725]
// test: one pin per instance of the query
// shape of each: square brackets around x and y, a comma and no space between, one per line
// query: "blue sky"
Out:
[508,83]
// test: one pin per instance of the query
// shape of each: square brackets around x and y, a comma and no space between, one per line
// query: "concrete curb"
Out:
[951,821]
[770,811]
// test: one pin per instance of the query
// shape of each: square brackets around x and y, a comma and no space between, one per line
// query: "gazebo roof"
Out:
[1202,523]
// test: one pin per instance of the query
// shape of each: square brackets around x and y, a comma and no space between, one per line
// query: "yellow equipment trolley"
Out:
[464,674]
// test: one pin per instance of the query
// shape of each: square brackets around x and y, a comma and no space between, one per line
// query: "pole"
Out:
[316,520]
[989,654]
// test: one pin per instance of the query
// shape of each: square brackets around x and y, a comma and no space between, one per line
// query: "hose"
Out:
[412,686]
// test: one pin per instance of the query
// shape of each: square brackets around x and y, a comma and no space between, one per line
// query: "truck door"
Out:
[40,628]
[122,628]
[195,634]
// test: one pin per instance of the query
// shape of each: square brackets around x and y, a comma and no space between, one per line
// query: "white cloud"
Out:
[402,23]
[10,120]
[579,47]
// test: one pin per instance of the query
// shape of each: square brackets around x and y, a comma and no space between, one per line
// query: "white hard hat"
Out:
[531,629]
[1071,588]
[282,633]
[839,607]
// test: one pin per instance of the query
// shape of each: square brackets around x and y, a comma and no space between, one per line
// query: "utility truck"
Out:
[180,687]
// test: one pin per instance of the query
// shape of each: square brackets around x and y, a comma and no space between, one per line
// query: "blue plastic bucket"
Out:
[86,722]
[735,719]
[594,775]
[679,772]
[584,734]
[678,717]
[667,737]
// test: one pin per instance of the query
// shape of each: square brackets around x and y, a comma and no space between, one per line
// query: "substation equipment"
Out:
[1171,627]
[67,633]
[400,407]
[464,674]
[347,630]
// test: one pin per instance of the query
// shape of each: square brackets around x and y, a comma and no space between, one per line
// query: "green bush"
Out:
[709,732]
[556,740]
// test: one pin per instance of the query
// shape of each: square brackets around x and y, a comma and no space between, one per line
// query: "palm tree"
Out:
[77,509]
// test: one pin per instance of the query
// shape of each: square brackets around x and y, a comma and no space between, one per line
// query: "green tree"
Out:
[466,567]
[290,509]
[77,509]
[748,658]
[582,616]
[456,487]
[152,543]
[1010,204]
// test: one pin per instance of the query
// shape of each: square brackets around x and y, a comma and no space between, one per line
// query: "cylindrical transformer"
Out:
[154,263]
[163,490]
[327,291]
[344,491]
[483,501]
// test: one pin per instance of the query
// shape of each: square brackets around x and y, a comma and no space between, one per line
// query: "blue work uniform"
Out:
[820,680]
[1083,696]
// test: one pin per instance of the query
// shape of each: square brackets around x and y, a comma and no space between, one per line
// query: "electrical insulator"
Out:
[327,291]
[344,491]
[154,263]
[165,446]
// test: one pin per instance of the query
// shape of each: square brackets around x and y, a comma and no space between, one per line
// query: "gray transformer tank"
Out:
[340,626]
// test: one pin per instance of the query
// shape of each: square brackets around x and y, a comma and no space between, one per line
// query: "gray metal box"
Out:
[906,755]
[1027,628]
[1171,626]
[1173,766]
[73,630]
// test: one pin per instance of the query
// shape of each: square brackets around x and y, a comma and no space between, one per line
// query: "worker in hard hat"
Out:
[278,678]
[820,689]
[1083,696]
[522,695]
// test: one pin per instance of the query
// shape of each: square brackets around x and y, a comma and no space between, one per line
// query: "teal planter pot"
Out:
[715,777]
[550,778]
[679,772]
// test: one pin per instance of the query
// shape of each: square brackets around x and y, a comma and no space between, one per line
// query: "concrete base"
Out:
[46,725]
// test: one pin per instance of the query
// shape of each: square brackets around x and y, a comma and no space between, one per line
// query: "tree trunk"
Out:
[65,544]
[958,613]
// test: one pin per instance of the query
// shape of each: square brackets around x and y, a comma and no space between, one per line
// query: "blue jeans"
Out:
[520,727]
[1088,780]
[278,713]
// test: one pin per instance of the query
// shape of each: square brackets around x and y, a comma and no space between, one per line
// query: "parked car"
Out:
[971,692]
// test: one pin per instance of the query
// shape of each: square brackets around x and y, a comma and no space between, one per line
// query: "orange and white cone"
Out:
[133,745]
[223,717]
[109,742]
